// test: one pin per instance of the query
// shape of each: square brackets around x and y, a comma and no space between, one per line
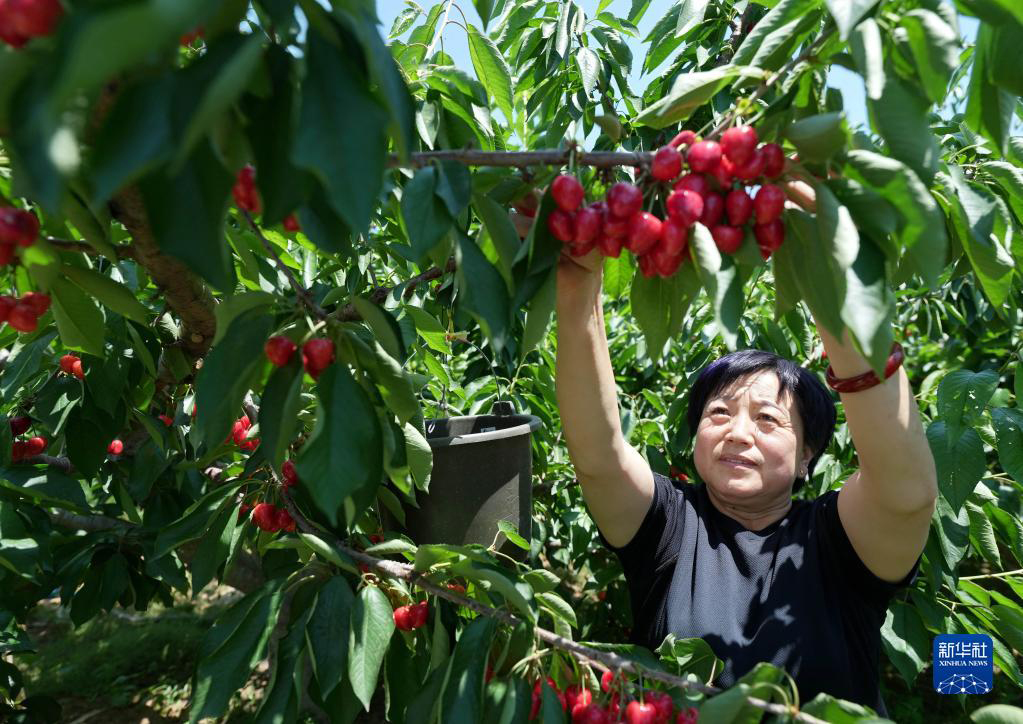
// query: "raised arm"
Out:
[617,482]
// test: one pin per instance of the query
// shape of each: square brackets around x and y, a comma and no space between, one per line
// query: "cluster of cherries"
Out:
[18,227]
[269,517]
[24,312]
[240,434]
[411,617]
[72,365]
[22,20]
[22,449]
[705,194]
[246,197]
[317,354]
[656,707]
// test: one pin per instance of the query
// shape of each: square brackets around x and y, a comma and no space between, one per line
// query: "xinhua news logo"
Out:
[963,664]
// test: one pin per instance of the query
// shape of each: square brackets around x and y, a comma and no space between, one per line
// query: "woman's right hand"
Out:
[579,274]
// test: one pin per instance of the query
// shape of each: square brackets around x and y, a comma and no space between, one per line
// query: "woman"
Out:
[735,561]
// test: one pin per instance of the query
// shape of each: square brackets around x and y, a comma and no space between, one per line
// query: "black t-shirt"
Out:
[794,594]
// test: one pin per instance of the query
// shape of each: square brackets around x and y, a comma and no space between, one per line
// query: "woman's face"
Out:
[750,441]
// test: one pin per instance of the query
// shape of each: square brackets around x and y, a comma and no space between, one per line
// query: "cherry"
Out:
[738,144]
[685,206]
[641,713]
[279,350]
[674,237]
[609,246]
[32,18]
[606,680]
[664,262]
[738,207]
[191,36]
[575,695]
[727,238]
[116,447]
[528,204]
[689,716]
[243,511]
[7,302]
[284,521]
[588,222]
[7,32]
[667,164]
[23,317]
[567,192]
[289,474]
[590,714]
[66,362]
[713,210]
[774,159]
[18,226]
[76,369]
[19,451]
[624,200]
[240,429]
[538,697]
[693,182]
[20,425]
[6,254]
[38,301]
[561,224]
[769,203]
[375,538]
[264,515]
[769,237]
[290,223]
[246,197]
[704,156]
[614,227]
[317,355]
[456,587]
[249,444]
[403,618]
[683,138]
[646,266]
[662,703]
[35,446]
[420,614]
[168,421]
[753,167]
[644,232]
[724,173]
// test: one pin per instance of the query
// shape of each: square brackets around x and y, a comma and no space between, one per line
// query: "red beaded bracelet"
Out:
[867,379]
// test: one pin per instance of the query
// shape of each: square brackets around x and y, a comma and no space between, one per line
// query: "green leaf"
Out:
[1006,55]
[113,295]
[539,315]
[962,397]
[935,48]
[541,580]
[485,8]
[776,36]
[806,259]
[231,648]
[385,327]
[557,606]
[234,305]
[228,373]
[482,291]
[79,321]
[519,595]
[869,307]
[511,532]
[343,455]
[327,633]
[195,521]
[589,68]
[982,535]
[278,410]
[1009,430]
[1010,179]
[994,12]
[906,640]
[23,362]
[847,13]
[868,54]
[659,304]
[690,91]
[424,215]
[997,714]
[960,466]
[342,131]
[492,70]
[989,108]
[214,548]
[49,487]
[500,229]
[818,138]
[429,329]
[186,212]
[722,279]
[900,117]
[419,455]
[690,655]
[463,692]
[372,624]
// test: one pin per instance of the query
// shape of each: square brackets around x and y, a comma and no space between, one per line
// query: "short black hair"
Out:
[814,403]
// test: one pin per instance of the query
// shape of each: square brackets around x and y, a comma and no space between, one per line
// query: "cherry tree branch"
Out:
[556,157]
[301,291]
[349,313]
[123,251]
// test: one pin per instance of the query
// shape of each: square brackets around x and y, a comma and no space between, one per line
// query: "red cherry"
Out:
[704,156]
[7,32]
[693,182]
[116,447]
[738,144]
[561,224]
[590,714]
[168,421]
[624,200]
[713,210]
[190,37]
[284,521]
[66,361]
[6,254]
[23,317]
[724,174]
[769,237]
[674,237]
[420,614]
[644,232]
[739,207]
[7,302]
[456,587]
[20,425]
[38,301]
[614,227]
[662,703]
[753,167]
[688,716]
[567,192]
[667,164]
[317,355]
[685,206]
[246,197]
[264,515]
[609,246]
[18,226]
[528,204]
[774,159]
[19,451]
[32,18]
[572,694]
[243,511]
[588,223]
[403,618]
[279,350]
[684,138]
[249,444]
[646,266]
[76,369]
[290,223]
[769,203]
[605,680]
[727,238]
[289,474]
[640,713]
[35,446]
[664,263]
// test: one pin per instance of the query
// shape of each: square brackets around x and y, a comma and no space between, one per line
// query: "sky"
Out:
[456,45]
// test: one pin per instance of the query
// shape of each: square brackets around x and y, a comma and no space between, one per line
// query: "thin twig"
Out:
[992,575]
[556,157]
[124,251]
[301,291]
[349,313]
